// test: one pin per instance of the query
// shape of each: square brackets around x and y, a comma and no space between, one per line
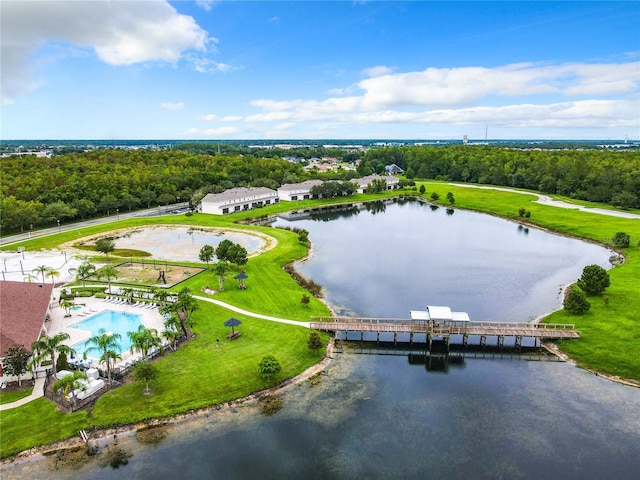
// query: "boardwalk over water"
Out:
[425,331]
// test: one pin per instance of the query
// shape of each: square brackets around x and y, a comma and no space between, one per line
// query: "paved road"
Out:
[151,212]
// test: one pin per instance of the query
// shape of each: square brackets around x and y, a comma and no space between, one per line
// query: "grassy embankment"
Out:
[610,339]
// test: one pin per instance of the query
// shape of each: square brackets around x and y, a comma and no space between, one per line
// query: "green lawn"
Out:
[201,374]
[8,397]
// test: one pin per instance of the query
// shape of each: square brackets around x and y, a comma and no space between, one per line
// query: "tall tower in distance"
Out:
[465,140]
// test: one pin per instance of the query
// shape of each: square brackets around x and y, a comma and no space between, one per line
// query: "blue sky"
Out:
[153,69]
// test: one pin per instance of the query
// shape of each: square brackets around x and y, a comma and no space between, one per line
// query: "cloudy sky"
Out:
[157,69]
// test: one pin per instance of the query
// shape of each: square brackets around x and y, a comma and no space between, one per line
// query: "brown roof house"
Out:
[23,310]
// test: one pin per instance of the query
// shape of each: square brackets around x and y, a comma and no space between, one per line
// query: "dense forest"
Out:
[40,191]
[595,175]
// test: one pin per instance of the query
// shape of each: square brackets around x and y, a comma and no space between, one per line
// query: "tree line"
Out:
[39,192]
[606,176]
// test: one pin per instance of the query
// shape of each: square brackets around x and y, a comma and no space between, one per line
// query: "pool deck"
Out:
[150,317]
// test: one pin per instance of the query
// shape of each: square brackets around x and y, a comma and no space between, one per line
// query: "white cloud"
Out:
[206,4]
[172,106]
[119,32]
[377,71]
[436,87]
[567,95]
[211,132]
[206,65]
[212,117]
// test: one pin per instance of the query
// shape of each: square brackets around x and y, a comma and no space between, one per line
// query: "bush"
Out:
[621,239]
[269,367]
[594,280]
[435,196]
[314,342]
[62,363]
[576,301]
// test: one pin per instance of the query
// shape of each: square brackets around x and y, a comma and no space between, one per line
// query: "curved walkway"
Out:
[38,391]
[547,200]
[38,388]
[252,314]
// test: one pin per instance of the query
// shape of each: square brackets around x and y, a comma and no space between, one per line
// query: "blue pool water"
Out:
[116,322]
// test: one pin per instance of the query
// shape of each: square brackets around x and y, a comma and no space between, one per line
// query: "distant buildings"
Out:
[238,199]
[297,191]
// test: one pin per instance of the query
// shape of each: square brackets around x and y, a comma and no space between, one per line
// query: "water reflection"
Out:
[413,255]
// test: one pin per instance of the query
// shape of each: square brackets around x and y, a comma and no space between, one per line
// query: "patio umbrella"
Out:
[232,322]
[241,277]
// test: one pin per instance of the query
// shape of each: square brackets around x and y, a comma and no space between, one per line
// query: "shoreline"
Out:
[101,437]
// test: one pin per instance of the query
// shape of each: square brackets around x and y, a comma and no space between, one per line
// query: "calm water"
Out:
[184,244]
[375,416]
[387,260]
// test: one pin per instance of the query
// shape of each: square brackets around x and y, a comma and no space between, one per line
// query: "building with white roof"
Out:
[391,181]
[297,191]
[238,199]
[439,314]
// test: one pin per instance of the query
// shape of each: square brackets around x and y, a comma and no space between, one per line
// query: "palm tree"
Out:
[171,332]
[84,271]
[144,339]
[109,359]
[160,295]
[30,278]
[53,273]
[107,343]
[47,347]
[70,384]
[185,306]
[66,304]
[109,273]
[128,294]
[41,269]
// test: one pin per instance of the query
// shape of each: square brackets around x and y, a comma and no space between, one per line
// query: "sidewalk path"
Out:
[38,391]
[252,314]
[547,200]
[38,388]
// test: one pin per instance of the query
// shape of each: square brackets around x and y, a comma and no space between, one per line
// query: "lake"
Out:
[497,415]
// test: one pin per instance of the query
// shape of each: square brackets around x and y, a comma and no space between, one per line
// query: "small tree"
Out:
[206,254]
[269,367]
[146,372]
[222,248]
[16,361]
[594,280]
[314,342]
[69,385]
[435,196]
[522,211]
[221,268]
[62,363]
[422,190]
[621,239]
[305,300]
[105,245]
[303,236]
[451,198]
[576,301]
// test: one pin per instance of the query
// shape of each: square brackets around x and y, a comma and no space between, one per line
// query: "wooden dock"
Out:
[372,328]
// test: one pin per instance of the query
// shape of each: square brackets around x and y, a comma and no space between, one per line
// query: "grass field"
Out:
[202,374]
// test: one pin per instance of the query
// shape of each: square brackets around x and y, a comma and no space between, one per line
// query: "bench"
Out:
[234,335]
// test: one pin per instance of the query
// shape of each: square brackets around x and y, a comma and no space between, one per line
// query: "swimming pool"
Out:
[116,322]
